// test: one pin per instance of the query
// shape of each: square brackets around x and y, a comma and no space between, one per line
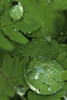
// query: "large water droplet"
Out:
[16,11]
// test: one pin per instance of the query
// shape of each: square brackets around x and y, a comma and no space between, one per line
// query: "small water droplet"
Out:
[29,32]
[48,70]
[36,77]
[40,57]
[48,2]
[61,33]
[20,90]
[54,60]
[15,29]
[48,38]
[65,97]
[49,89]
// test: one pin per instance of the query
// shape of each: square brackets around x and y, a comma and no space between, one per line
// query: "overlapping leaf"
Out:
[5,43]
[13,68]
[49,19]
[15,35]
[34,96]
[64,46]
[64,75]
[62,58]
[37,14]
[6,91]
[41,47]
[56,96]
[8,29]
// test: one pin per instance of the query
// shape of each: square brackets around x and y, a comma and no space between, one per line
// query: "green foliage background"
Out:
[42,31]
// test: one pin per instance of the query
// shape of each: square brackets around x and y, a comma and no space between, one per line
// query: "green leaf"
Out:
[8,28]
[64,47]
[41,47]
[2,55]
[49,19]
[14,35]
[64,75]
[62,39]
[65,86]
[34,96]
[56,96]
[27,25]
[62,58]
[6,91]
[15,72]
[5,18]
[37,15]
[59,4]
[8,64]
[4,43]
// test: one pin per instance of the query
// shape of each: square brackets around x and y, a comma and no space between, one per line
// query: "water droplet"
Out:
[40,57]
[54,60]
[20,6]
[65,97]
[48,38]
[29,32]
[20,90]
[36,77]
[48,70]
[48,2]
[15,29]
[49,89]
[61,33]
[16,11]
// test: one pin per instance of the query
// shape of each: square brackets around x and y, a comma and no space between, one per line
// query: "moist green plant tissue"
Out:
[44,76]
